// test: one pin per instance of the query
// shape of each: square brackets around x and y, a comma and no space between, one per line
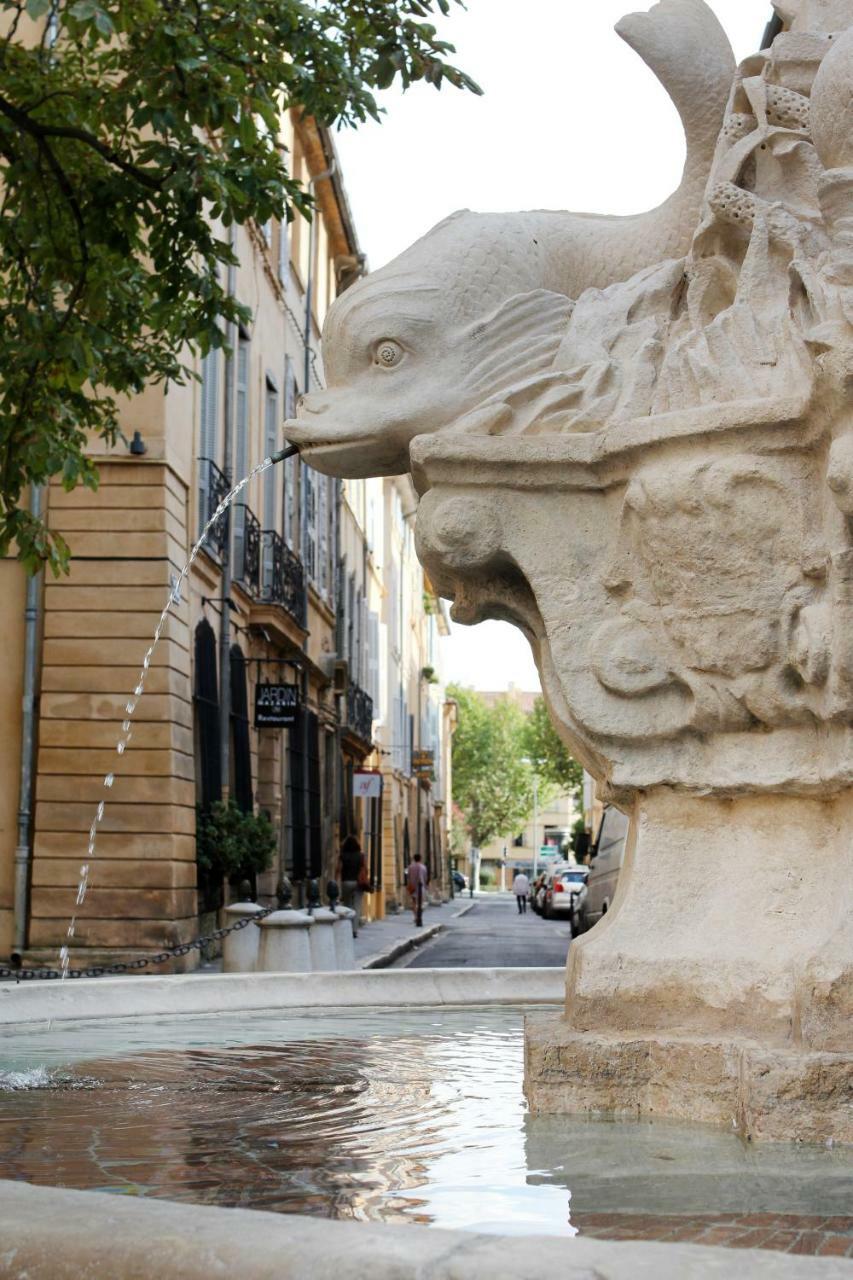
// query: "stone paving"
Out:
[494,935]
[795,1233]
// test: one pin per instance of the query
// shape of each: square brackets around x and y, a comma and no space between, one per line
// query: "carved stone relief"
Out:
[634,438]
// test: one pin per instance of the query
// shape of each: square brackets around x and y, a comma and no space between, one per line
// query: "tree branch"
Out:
[41,132]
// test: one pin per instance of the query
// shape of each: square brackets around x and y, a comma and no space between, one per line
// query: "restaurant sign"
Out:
[276,705]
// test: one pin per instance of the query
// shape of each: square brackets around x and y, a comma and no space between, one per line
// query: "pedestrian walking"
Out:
[353,877]
[416,883]
[521,888]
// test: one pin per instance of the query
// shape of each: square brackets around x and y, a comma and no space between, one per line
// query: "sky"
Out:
[570,118]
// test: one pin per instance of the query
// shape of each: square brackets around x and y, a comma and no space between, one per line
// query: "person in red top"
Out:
[416,883]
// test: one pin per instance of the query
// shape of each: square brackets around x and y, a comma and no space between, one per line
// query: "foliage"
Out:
[232,843]
[552,761]
[133,134]
[492,782]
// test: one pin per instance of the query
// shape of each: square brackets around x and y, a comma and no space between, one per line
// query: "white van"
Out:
[608,852]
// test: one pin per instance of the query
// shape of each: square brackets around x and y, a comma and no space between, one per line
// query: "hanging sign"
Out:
[366,784]
[423,763]
[276,705]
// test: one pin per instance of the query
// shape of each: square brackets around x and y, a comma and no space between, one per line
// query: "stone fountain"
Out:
[633,438]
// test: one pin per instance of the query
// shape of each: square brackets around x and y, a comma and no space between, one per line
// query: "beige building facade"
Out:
[288,590]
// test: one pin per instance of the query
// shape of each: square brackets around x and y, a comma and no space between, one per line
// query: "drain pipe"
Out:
[227,468]
[23,849]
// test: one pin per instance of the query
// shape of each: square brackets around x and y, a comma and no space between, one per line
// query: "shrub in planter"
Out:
[233,844]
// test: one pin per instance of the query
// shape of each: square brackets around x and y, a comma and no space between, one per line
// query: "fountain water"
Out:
[130,707]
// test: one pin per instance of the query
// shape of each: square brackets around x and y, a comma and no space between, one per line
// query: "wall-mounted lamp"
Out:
[137,445]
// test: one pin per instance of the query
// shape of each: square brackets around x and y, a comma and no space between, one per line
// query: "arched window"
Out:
[206,704]
[241,753]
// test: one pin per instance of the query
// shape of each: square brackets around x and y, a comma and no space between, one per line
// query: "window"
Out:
[241,755]
[209,433]
[241,442]
[322,522]
[294,818]
[291,393]
[283,251]
[206,707]
[309,521]
[373,661]
[314,806]
[394,610]
[270,446]
[207,748]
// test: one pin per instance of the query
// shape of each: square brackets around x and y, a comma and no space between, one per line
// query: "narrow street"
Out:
[493,934]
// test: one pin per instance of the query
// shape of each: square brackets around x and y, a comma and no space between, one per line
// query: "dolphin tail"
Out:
[687,49]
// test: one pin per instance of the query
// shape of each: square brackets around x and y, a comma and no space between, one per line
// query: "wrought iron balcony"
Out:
[360,712]
[247,548]
[213,487]
[282,576]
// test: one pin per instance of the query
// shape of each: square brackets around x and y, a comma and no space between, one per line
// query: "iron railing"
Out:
[247,566]
[360,712]
[213,487]
[282,576]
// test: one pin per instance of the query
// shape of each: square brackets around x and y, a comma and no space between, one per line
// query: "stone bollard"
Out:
[343,935]
[284,942]
[323,953]
[240,949]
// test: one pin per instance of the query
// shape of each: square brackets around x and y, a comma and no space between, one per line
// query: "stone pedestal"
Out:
[323,953]
[240,949]
[285,947]
[717,987]
[344,940]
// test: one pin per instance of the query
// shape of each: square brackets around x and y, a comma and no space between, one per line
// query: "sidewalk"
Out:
[380,943]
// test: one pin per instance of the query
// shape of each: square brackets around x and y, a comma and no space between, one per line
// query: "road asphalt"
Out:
[493,934]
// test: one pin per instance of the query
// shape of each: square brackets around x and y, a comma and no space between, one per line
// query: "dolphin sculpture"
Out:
[476,309]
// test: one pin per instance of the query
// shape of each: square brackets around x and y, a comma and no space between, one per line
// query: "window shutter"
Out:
[373,661]
[241,449]
[242,755]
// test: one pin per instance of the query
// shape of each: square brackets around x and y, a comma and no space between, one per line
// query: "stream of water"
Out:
[133,700]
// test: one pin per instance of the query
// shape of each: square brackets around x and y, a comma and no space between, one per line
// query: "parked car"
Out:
[607,854]
[460,881]
[537,892]
[564,893]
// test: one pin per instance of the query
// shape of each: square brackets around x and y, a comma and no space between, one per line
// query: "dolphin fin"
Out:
[515,342]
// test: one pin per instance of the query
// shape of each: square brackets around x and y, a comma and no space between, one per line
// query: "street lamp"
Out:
[535,825]
[532,763]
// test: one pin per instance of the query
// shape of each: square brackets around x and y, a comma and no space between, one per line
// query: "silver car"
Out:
[564,893]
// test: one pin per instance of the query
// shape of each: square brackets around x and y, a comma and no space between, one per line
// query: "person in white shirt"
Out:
[521,888]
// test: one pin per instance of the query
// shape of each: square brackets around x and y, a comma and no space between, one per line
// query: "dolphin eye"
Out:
[387,353]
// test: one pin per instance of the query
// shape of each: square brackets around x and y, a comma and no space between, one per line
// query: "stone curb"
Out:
[48,1233]
[384,959]
[213,993]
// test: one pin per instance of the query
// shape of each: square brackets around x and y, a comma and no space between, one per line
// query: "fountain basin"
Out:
[410,1113]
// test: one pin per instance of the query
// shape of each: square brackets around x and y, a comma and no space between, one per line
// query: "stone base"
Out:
[763,1093]
[92,957]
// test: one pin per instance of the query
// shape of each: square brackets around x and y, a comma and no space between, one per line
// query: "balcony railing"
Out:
[360,712]
[213,487]
[282,576]
[247,549]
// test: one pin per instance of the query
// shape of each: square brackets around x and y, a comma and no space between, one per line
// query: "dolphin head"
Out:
[416,346]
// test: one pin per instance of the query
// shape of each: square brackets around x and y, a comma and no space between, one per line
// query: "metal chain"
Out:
[128,966]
